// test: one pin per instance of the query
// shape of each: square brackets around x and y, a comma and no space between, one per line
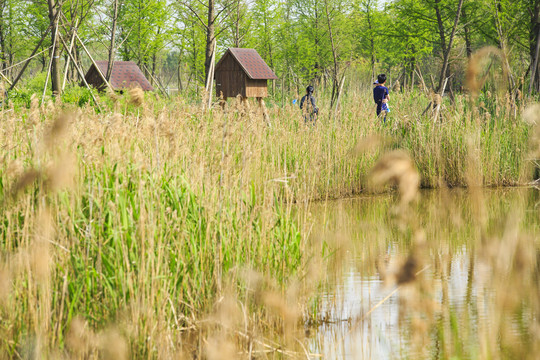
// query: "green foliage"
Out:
[77,95]
[34,86]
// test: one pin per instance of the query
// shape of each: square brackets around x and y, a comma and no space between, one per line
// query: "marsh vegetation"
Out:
[156,229]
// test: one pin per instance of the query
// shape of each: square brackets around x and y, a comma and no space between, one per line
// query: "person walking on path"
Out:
[380,95]
[310,111]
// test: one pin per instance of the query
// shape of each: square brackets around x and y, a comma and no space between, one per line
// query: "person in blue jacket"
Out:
[380,95]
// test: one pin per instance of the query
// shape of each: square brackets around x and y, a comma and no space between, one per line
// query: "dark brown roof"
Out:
[125,74]
[251,62]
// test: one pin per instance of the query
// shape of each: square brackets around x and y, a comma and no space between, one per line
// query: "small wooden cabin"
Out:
[125,74]
[242,72]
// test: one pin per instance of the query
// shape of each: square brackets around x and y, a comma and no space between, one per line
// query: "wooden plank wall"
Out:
[230,78]
[93,78]
[256,88]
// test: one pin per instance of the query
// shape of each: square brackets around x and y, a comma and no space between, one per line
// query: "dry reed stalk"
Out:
[5,283]
[476,67]
[397,168]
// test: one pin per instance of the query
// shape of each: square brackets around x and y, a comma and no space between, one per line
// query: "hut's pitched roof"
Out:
[251,62]
[125,74]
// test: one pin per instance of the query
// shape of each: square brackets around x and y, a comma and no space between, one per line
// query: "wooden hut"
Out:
[242,72]
[125,74]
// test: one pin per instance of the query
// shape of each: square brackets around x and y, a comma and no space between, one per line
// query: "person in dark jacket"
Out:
[310,110]
[380,95]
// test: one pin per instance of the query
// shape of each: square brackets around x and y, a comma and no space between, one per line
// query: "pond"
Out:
[456,275]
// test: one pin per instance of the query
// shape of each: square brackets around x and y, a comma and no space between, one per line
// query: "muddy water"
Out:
[473,292]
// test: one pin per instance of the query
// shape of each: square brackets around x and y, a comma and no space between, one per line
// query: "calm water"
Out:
[476,294]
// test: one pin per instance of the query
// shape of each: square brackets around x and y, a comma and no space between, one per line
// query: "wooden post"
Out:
[53,54]
[5,78]
[69,58]
[159,85]
[211,75]
[282,91]
[338,98]
[94,63]
[81,74]
[262,106]
[223,102]
[437,110]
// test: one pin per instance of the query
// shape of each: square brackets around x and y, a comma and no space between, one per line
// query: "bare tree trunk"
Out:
[112,49]
[3,38]
[449,47]
[371,38]
[534,38]
[502,46]
[210,37]
[55,52]
[534,66]
[335,81]
[237,25]
[467,30]
[440,25]
[180,87]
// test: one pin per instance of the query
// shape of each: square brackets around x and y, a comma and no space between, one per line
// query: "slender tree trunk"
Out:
[210,37]
[237,26]
[534,40]
[56,81]
[3,49]
[194,71]
[534,66]
[317,66]
[440,25]
[467,31]
[112,49]
[3,36]
[502,45]
[371,37]
[447,52]
[154,66]
[10,52]
[179,74]
[335,81]
[77,61]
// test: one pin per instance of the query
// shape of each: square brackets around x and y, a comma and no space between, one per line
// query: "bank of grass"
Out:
[137,222]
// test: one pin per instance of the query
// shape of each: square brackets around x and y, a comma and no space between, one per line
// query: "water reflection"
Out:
[476,297]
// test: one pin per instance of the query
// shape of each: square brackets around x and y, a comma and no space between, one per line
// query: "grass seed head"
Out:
[531,115]
[113,346]
[397,167]
[136,96]
[58,128]
[24,181]
[80,339]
